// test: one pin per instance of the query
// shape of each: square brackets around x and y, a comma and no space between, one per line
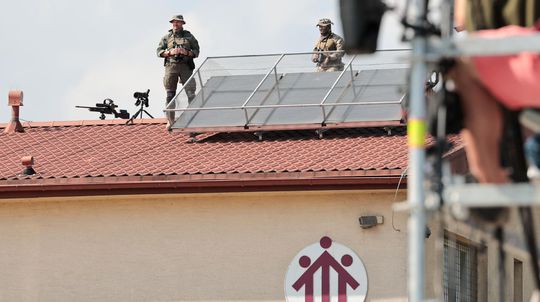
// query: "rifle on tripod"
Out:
[107,107]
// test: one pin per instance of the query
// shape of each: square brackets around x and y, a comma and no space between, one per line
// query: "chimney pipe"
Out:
[28,162]
[15,100]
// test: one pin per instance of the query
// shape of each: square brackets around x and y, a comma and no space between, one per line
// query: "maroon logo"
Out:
[325,262]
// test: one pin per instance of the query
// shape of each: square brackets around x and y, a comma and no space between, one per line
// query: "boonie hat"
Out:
[178,18]
[324,22]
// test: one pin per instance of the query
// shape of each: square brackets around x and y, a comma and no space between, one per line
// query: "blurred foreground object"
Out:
[361,21]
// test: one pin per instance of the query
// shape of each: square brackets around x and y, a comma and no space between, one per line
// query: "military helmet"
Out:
[324,22]
[178,18]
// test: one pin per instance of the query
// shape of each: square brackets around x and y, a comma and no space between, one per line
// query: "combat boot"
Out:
[170,114]
[190,96]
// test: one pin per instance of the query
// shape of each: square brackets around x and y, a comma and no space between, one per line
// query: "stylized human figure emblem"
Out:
[324,263]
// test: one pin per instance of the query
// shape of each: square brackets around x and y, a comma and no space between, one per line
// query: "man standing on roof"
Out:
[178,48]
[328,42]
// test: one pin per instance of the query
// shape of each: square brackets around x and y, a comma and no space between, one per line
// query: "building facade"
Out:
[120,212]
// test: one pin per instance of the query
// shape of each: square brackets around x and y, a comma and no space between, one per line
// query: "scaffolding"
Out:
[425,50]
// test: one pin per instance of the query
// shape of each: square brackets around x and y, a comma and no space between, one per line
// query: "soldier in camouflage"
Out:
[178,48]
[328,42]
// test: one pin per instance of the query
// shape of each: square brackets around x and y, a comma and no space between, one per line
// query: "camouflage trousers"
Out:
[174,73]
[330,68]
[179,72]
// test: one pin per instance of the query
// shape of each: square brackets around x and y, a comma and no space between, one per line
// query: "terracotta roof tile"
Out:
[100,149]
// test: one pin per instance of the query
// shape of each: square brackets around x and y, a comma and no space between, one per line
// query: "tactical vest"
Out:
[330,43]
[327,44]
[180,39]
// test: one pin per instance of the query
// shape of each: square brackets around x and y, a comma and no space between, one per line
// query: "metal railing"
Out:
[273,66]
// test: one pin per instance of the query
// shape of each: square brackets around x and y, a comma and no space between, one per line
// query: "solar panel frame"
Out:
[280,100]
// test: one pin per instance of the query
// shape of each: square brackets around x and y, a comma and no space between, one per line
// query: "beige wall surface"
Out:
[197,247]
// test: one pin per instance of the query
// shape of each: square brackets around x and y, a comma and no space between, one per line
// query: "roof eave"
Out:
[289,181]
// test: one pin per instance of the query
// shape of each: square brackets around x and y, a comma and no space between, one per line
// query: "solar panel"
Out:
[284,99]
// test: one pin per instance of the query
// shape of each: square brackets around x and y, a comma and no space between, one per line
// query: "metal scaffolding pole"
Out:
[416,132]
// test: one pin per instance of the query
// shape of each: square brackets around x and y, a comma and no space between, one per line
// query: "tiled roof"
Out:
[110,149]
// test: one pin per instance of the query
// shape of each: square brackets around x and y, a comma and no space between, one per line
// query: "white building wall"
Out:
[195,247]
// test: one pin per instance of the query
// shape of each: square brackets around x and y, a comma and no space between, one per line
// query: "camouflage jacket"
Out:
[331,42]
[179,39]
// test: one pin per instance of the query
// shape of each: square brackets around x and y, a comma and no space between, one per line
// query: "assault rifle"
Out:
[320,56]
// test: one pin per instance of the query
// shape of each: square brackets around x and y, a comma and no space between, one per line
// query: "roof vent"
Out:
[28,162]
[15,100]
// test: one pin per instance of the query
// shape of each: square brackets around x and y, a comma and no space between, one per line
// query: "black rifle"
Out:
[320,56]
[107,107]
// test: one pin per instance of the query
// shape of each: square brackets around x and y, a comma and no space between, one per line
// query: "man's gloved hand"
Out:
[326,61]
[183,51]
[179,51]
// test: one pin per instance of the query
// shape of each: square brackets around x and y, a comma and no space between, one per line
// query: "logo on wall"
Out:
[326,272]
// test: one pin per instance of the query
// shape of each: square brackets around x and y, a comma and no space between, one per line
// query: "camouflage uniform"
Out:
[330,42]
[179,67]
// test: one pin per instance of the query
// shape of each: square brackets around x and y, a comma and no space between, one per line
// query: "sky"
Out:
[63,53]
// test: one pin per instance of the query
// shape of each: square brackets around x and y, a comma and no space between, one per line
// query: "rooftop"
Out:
[274,127]
[81,154]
